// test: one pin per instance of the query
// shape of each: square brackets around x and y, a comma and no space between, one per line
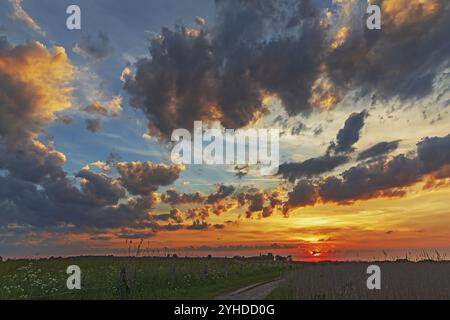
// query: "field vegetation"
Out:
[135,277]
[400,280]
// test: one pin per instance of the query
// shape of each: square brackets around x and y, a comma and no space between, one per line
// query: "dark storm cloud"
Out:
[98,204]
[380,149]
[433,153]
[350,133]
[288,49]
[142,178]
[222,74]
[221,193]
[12,125]
[174,198]
[371,181]
[94,47]
[32,161]
[261,202]
[93,125]
[107,190]
[256,203]
[303,194]
[334,156]
[59,202]
[22,203]
[403,58]
[379,178]
[311,167]
[198,214]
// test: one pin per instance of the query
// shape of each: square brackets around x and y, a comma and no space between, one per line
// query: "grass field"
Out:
[135,278]
[338,281]
[205,278]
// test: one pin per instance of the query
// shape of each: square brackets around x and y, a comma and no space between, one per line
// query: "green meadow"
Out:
[135,278]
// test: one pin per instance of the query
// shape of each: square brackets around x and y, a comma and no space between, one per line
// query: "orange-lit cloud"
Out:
[35,85]
[43,76]
[111,108]
[340,37]
[403,14]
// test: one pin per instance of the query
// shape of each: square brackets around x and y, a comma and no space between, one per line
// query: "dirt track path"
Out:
[257,291]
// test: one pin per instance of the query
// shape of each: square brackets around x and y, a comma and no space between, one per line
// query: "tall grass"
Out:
[347,280]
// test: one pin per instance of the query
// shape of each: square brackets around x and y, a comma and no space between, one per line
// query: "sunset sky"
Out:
[86,118]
